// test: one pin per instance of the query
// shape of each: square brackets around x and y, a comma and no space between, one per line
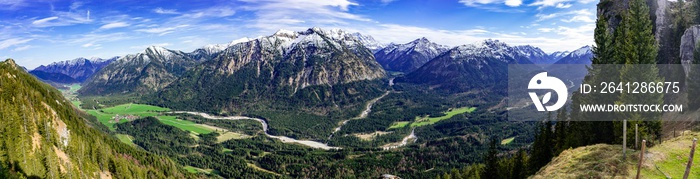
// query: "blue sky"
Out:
[36,32]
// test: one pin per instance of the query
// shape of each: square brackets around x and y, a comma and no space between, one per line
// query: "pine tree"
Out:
[491,160]
[560,132]
[602,51]
[518,165]
[542,147]
[639,47]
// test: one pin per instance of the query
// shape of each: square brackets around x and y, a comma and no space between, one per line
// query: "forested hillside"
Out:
[43,137]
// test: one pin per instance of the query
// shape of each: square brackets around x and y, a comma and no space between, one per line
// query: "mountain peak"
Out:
[11,62]
[492,43]
[157,50]
[284,32]
[421,40]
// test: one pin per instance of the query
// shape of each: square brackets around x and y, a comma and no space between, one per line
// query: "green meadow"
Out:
[507,141]
[106,116]
[427,120]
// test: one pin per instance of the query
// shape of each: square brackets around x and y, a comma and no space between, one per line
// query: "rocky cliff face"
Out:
[144,72]
[410,56]
[688,41]
[480,65]
[315,66]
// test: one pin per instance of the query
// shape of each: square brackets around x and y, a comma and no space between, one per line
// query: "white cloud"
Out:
[387,1]
[165,11]
[217,11]
[65,18]
[44,20]
[11,4]
[146,46]
[75,5]
[548,3]
[13,42]
[94,38]
[563,5]
[113,25]
[582,13]
[295,14]
[87,45]
[476,3]
[514,3]
[546,29]
[22,48]
[162,30]
[562,38]
[579,18]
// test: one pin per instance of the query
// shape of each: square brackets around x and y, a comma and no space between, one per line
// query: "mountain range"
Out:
[72,71]
[313,67]
[410,56]
[287,62]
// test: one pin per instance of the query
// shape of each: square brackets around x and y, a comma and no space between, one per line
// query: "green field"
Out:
[507,141]
[126,139]
[448,114]
[139,110]
[427,120]
[105,116]
[397,125]
[71,94]
[192,169]
[184,125]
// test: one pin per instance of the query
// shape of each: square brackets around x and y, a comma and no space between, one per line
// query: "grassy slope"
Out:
[421,121]
[105,116]
[605,161]
[507,141]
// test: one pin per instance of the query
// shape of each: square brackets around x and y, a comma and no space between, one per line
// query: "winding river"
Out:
[284,139]
[309,143]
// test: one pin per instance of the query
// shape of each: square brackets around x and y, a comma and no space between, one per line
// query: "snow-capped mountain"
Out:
[210,51]
[556,56]
[79,69]
[410,56]
[150,70]
[312,67]
[478,65]
[582,55]
[535,54]
[369,42]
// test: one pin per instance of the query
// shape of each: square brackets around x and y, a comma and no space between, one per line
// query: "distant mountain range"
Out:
[478,65]
[410,56]
[73,71]
[582,55]
[143,72]
[291,61]
[315,67]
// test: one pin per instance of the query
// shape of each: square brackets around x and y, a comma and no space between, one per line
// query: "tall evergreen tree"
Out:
[639,47]
[518,171]
[542,147]
[560,132]
[491,160]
